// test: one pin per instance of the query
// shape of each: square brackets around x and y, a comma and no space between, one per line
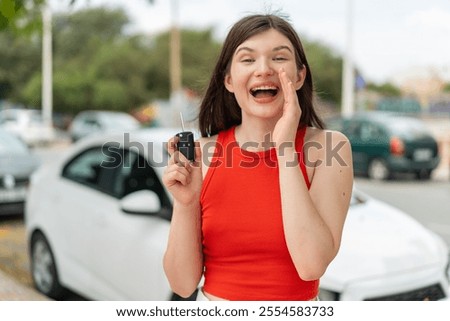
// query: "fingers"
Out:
[172,145]
[198,154]
[176,174]
[179,158]
[290,95]
[292,106]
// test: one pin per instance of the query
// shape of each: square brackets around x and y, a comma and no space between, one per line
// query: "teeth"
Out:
[264,88]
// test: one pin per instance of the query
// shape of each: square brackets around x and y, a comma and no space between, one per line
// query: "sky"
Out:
[390,38]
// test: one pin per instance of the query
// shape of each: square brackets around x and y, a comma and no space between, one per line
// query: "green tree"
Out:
[95,65]
[326,68]
[385,89]
[98,66]
[20,57]
[199,52]
[22,16]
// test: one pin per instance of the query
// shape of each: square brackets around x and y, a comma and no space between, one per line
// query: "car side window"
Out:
[95,167]
[137,174]
[115,171]
[370,132]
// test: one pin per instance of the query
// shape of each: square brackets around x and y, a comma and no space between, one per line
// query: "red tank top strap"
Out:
[299,143]
[223,138]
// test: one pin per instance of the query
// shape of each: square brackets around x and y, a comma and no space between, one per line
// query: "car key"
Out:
[186,144]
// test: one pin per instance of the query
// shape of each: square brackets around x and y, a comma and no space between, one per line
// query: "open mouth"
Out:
[264,91]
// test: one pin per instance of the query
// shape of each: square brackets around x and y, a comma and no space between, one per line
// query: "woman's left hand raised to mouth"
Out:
[285,130]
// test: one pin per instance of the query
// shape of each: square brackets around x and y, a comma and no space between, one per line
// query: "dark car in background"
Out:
[387,143]
[17,164]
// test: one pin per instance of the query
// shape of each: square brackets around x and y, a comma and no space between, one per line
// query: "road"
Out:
[426,201]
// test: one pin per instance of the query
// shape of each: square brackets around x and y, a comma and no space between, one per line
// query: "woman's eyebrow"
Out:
[278,48]
[244,48]
[281,48]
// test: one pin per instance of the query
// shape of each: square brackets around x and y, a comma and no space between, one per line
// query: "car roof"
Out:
[147,138]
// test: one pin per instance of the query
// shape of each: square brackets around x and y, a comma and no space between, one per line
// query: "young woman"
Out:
[260,212]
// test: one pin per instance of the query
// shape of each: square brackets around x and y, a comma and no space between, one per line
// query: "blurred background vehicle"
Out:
[28,125]
[386,143]
[110,245]
[98,121]
[16,165]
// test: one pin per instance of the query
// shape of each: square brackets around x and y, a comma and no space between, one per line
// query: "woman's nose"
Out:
[264,68]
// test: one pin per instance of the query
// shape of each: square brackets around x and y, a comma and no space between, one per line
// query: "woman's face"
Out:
[254,74]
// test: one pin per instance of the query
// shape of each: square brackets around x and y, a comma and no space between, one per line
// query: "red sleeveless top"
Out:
[245,252]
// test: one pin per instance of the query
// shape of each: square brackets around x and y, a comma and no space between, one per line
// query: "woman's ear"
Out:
[228,83]
[301,75]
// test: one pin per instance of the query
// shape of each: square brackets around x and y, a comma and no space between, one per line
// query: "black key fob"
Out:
[186,145]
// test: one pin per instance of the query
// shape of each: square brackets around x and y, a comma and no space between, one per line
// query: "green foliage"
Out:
[386,89]
[447,88]
[199,52]
[326,68]
[20,16]
[20,58]
[96,65]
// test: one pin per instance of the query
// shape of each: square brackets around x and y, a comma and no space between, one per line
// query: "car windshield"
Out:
[10,143]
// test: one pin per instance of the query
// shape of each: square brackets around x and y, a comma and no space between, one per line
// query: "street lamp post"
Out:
[47,78]
[175,50]
[348,75]
[175,66]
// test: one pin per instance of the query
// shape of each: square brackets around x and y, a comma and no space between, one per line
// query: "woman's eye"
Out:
[279,59]
[247,60]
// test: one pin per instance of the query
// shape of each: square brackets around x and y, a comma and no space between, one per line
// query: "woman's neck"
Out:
[255,136]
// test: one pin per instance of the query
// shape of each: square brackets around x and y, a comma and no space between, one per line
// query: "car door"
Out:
[368,140]
[83,203]
[374,142]
[127,261]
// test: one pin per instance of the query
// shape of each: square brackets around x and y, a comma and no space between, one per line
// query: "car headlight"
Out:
[327,295]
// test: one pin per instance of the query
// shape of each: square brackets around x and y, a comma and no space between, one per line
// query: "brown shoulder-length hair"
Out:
[219,109]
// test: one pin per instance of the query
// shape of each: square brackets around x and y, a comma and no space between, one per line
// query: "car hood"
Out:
[18,164]
[380,240]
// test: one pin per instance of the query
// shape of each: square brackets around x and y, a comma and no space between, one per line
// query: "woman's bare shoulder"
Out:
[318,135]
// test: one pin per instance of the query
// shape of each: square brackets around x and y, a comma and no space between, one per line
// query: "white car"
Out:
[28,125]
[94,122]
[98,219]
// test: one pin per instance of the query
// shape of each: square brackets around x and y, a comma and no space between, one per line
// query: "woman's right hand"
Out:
[183,178]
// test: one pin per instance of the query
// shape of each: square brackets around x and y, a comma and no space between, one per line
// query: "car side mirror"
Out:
[144,202]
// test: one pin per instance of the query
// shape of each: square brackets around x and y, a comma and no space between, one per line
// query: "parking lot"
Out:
[427,202]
